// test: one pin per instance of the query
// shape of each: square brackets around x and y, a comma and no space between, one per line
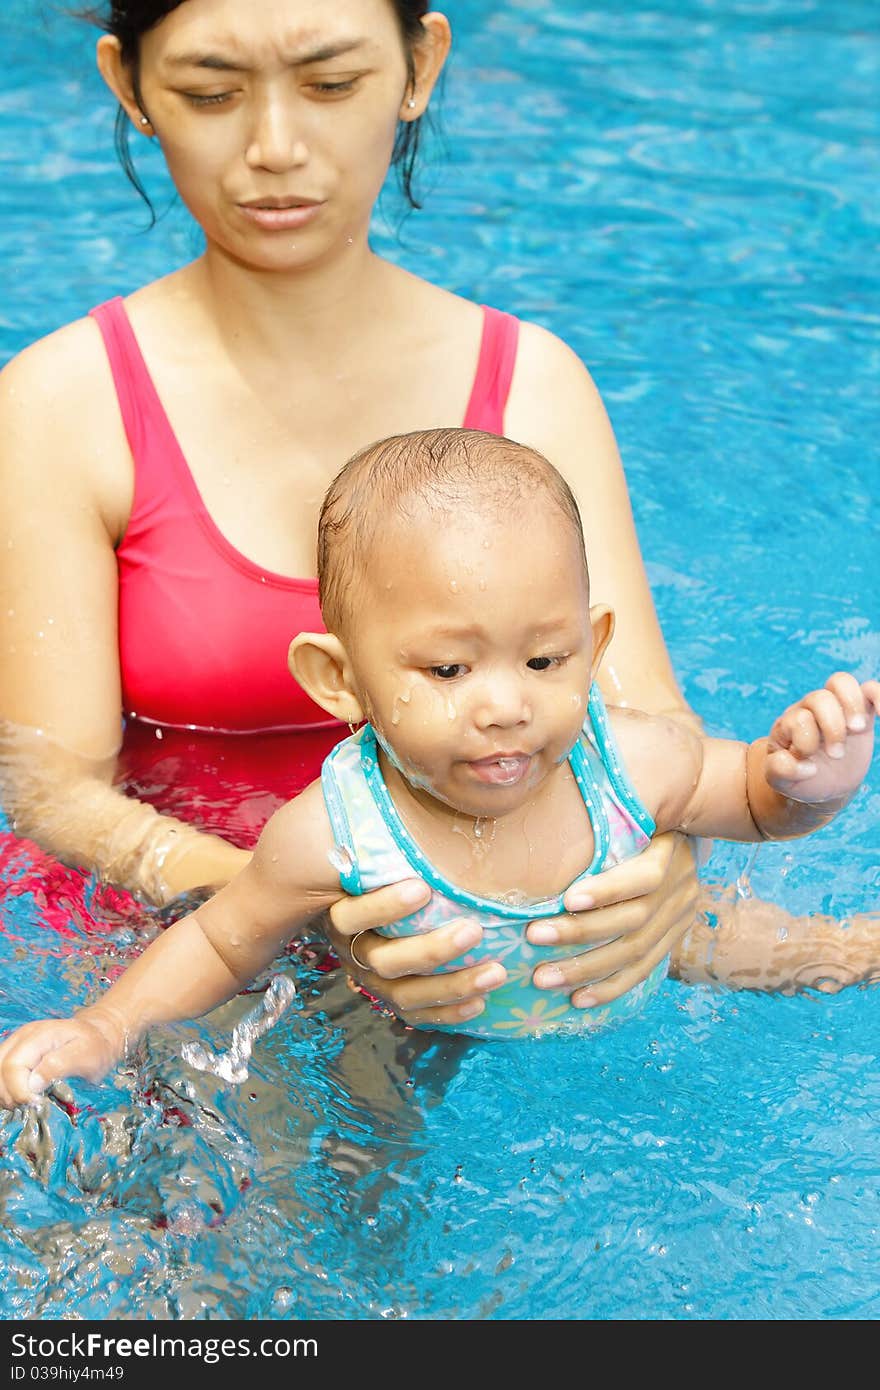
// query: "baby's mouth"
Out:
[502,769]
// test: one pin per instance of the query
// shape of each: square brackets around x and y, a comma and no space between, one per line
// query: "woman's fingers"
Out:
[380,908]
[638,877]
[604,991]
[612,903]
[634,934]
[392,958]
[449,997]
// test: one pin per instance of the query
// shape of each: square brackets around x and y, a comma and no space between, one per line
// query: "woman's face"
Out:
[278,118]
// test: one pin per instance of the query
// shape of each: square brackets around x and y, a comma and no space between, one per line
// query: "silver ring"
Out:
[351,951]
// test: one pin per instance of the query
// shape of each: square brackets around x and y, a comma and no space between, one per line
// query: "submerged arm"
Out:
[66,489]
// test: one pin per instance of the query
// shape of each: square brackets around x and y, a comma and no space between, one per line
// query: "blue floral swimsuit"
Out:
[374,848]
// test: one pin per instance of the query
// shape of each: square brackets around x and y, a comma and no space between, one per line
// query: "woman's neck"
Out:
[278,316]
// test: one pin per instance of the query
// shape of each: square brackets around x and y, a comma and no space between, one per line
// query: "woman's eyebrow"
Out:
[220,63]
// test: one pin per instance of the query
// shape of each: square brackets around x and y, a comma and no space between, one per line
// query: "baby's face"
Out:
[472,653]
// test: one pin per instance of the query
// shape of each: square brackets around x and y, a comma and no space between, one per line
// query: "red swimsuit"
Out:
[204,632]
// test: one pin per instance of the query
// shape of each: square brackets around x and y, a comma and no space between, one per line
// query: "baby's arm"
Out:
[780,787]
[198,963]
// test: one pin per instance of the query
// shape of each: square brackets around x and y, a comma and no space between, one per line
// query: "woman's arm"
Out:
[555,407]
[66,482]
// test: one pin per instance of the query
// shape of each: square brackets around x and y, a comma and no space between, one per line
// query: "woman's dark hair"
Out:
[129,20]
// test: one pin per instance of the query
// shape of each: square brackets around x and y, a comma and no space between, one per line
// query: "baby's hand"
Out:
[820,749]
[37,1054]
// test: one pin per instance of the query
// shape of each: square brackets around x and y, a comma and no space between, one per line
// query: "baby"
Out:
[455,591]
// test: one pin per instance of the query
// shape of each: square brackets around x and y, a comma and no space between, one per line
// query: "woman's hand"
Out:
[638,910]
[399,970]
[641,911]
[201,861]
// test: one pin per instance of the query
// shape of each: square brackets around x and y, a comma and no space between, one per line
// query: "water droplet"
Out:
[340,859]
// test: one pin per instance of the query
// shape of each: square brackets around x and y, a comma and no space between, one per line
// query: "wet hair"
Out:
[129,20]
[446,471]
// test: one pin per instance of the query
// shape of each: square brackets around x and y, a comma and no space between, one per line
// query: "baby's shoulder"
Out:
[298,838]
[661,755]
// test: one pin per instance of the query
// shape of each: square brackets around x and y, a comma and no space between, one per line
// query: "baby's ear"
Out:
[602,623]
[319,662]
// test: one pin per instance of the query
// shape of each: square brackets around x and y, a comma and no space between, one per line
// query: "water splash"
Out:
[232,1064]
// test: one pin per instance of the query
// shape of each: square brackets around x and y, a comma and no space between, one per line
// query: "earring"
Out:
[145,120]
[411,103]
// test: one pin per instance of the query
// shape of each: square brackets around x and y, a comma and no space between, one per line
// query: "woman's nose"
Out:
[277,140]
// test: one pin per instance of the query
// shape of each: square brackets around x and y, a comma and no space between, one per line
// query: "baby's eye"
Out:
[543,663]
[448,671]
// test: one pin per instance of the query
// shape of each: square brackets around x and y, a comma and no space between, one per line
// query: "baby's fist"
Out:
[820,749]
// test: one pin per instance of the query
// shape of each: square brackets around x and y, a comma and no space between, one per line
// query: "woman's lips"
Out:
[503,770]
[280,219]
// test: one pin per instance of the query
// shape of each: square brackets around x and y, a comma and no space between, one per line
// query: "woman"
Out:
[161,540]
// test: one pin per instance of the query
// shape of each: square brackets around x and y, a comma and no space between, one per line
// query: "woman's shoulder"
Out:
[59,364]
[71,361]
[553,401]
[545,357]
[58,410]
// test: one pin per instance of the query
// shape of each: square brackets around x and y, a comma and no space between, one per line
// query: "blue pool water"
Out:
[686,192]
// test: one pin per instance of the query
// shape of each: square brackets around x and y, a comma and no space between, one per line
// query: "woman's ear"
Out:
[429,53]
[319,663]
[118,76]
[602,623]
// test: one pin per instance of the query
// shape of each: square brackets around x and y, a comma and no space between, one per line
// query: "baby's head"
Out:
[453,583]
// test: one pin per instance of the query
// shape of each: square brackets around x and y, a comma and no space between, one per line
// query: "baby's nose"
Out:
[501,703]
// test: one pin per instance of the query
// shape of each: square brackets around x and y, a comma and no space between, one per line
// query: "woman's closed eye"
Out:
[208,98]
[334,88]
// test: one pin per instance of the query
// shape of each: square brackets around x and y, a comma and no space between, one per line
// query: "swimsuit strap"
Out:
[494,373]
[548,907]
[151,439]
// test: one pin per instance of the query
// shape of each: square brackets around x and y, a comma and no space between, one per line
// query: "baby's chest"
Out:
[525,859]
